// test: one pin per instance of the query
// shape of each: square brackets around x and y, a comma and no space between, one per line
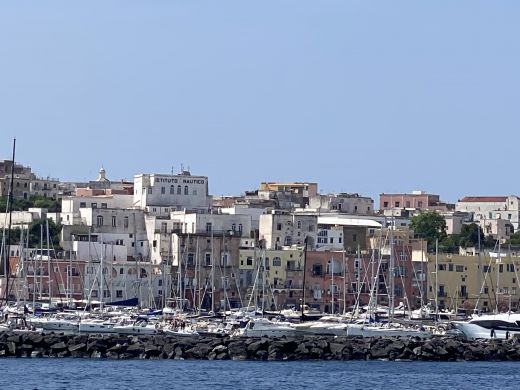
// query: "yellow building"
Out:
[305,189]
[471,282]
[281,274]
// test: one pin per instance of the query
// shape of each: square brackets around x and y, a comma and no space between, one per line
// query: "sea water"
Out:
[77,374]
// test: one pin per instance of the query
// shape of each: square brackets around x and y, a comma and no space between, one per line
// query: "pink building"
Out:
[418,200]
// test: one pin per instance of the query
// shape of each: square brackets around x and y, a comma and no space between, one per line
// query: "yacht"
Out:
[138,327]
[96,325]
[386,330]
[262,327]
[62,322]
[488,326]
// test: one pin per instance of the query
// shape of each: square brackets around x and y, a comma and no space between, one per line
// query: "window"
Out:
[93,205]
[207,258]
[194,192]
[332,240]
[179,190]
[486,268]
[311,228]
[240,227]
[106,293]
[459,268]
[513,290]
[397,204]
[233,227]
[186,190]
[354,237]
[441,267]
[317,269]
[208,226]
[103,205]
[125,222]
[278,226]
[277,262]
[385,204]
[99,220]
[82,205]
[149,190]
[172,190]
[501,268]
[224,260]
[119,293]
[94,294]
[114,221]
[407,204]
[299,224]
[121,271]
[249,260]
[190,261]
[450,267]
[163,190]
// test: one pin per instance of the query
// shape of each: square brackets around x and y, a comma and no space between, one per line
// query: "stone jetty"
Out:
[224,348]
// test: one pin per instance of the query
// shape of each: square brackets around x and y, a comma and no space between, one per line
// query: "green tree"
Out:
[514,239]
[450,243]
[35,234]
[50,204]
[431,226]
[469,235]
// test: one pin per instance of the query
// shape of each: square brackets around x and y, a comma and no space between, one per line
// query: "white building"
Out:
[179,192]
[330,238]
[486,208]
[345,203]
[244,209]
[122,280]
[217,223]
[71,206]
[282,228]
[47,187]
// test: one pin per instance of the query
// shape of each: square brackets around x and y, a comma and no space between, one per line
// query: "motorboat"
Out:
[489,326]
[96,325]
[261,327]
[137,327]
[386,330]
[61,322]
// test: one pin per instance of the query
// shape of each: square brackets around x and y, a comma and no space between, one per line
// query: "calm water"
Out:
[78,374]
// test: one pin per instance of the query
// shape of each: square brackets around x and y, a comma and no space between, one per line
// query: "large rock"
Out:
[60,346]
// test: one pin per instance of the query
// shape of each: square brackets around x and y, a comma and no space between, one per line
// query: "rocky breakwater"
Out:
[225,348]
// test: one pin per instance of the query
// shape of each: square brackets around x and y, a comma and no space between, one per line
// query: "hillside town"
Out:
[164,240]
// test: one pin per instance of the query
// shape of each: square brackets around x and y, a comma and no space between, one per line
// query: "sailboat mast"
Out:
[49,280]
[7,250]
[499,264]
[392,274]
[303,281]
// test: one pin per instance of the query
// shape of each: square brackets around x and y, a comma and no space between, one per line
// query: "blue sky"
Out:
[360,96]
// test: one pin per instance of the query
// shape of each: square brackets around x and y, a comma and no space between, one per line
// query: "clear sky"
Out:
[360,96]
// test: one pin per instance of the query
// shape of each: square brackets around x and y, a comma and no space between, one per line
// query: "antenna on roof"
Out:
[172,170]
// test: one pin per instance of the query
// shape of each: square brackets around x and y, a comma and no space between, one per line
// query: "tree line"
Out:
[431,226]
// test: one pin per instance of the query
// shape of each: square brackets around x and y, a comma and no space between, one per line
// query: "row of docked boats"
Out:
[254,323]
